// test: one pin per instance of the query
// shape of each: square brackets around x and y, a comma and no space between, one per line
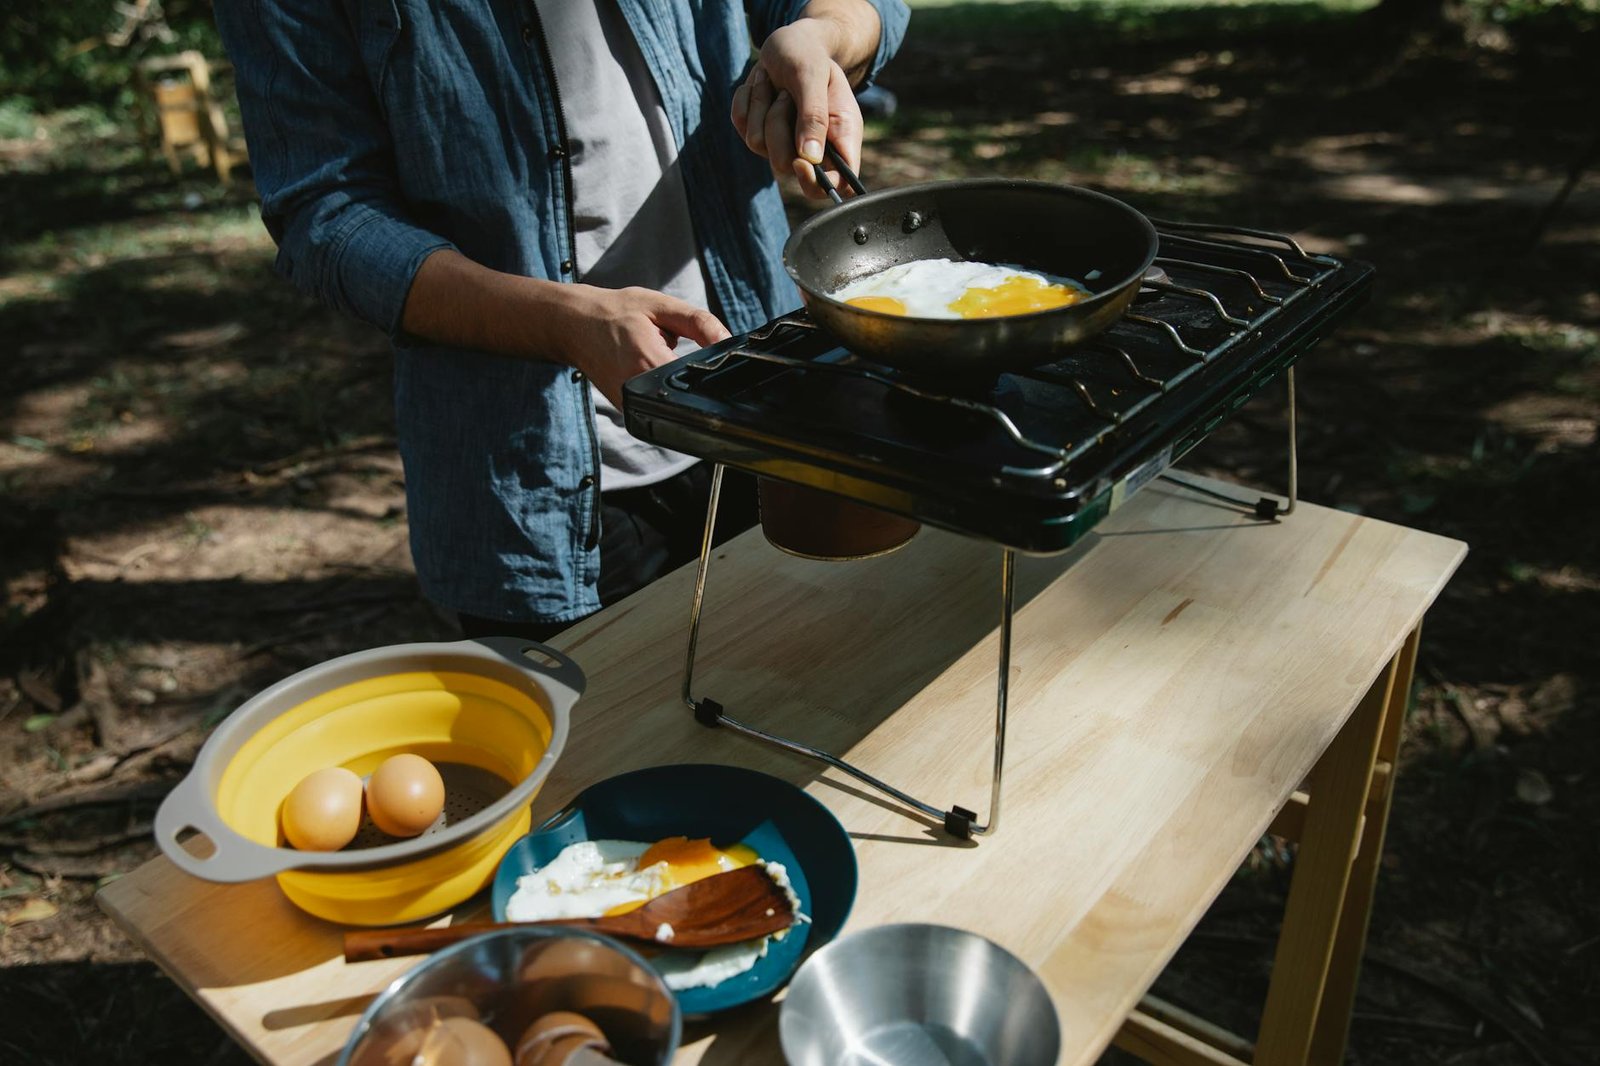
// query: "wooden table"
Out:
[1174,683]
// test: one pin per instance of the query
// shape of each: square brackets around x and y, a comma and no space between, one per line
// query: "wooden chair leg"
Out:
[213,126]
[1324,870]
[146,121]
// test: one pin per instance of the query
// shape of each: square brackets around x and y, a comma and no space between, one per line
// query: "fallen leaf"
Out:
[1523,1007]
[36,722]
[1514,715]
[1533,789]
[96,769]
[34,910]
[1416,503]
[40,691]
[1555,696]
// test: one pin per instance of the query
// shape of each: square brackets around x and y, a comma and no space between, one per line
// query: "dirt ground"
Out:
[201,493]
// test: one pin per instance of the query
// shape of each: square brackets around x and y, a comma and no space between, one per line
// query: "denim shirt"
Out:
[381,131]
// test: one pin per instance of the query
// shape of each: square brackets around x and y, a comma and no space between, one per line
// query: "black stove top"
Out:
[1031,459]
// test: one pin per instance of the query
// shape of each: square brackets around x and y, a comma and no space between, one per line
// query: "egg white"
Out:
[591,877]
[587,879]
[927,287]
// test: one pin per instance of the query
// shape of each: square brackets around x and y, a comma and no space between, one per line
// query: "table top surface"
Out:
[1172,681]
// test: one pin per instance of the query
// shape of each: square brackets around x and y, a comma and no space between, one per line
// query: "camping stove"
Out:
[1032,459]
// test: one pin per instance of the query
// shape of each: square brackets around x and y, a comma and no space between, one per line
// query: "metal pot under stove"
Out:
[819,525]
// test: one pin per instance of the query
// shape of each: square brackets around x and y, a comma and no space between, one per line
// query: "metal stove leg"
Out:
[958,821]
[1008,568]
[1265,508]
[699,600]
[1294,448]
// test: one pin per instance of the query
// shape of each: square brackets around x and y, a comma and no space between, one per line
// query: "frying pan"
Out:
[1087,236]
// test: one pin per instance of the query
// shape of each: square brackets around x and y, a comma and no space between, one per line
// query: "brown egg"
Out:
[564,1051]
[556,1037]
[397,1039]
[405,795]
[462,1042]
[324,810]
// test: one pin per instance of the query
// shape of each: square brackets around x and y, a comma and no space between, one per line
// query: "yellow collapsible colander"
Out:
[492,714]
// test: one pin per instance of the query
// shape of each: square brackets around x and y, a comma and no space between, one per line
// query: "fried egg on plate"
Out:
[599,877]
[949,288]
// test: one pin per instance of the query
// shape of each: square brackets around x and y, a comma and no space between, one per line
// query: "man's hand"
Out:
[614,334]
[609,334]
[798,94]
[795,98]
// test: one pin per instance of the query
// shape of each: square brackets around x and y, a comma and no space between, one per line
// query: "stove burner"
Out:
[1148,291]
[977,385]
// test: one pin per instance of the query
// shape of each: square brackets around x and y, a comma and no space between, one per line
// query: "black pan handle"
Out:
[844,169]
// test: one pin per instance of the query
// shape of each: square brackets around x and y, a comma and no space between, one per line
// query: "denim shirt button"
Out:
[566,266]
[577,375]
[586,481]
[527,33]
[558,152]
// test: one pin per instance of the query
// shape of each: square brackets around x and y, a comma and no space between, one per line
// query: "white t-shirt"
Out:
[628,202]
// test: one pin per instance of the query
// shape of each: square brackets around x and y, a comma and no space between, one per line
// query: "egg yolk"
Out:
[1016,295]
[887,305]
[688,861]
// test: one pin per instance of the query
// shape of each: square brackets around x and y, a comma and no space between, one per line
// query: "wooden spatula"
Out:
[721,909]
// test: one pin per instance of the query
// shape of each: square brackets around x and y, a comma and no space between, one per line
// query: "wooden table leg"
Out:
[1340,828]
[1339,994]
[1158,1031]
[1325,922]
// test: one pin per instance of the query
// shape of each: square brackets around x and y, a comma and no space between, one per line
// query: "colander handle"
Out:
[234,858]
[561,676]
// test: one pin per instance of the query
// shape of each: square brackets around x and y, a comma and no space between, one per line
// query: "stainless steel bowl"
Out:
[510,978]
[917,995]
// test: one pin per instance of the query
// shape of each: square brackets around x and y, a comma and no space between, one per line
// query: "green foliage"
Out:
[55,54]
[1122,21]
[1575,11]
[17,119]
[1067,23]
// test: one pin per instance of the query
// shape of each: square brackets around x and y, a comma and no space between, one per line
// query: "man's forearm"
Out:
[608,334]
[853,28]
[456,302]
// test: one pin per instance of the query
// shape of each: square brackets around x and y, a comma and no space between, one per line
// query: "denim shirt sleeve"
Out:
[893,15]
[321,154]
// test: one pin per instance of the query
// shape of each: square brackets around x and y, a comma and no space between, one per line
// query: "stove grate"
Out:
[1213,307]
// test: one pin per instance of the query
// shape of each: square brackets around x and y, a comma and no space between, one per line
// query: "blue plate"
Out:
[730,805]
